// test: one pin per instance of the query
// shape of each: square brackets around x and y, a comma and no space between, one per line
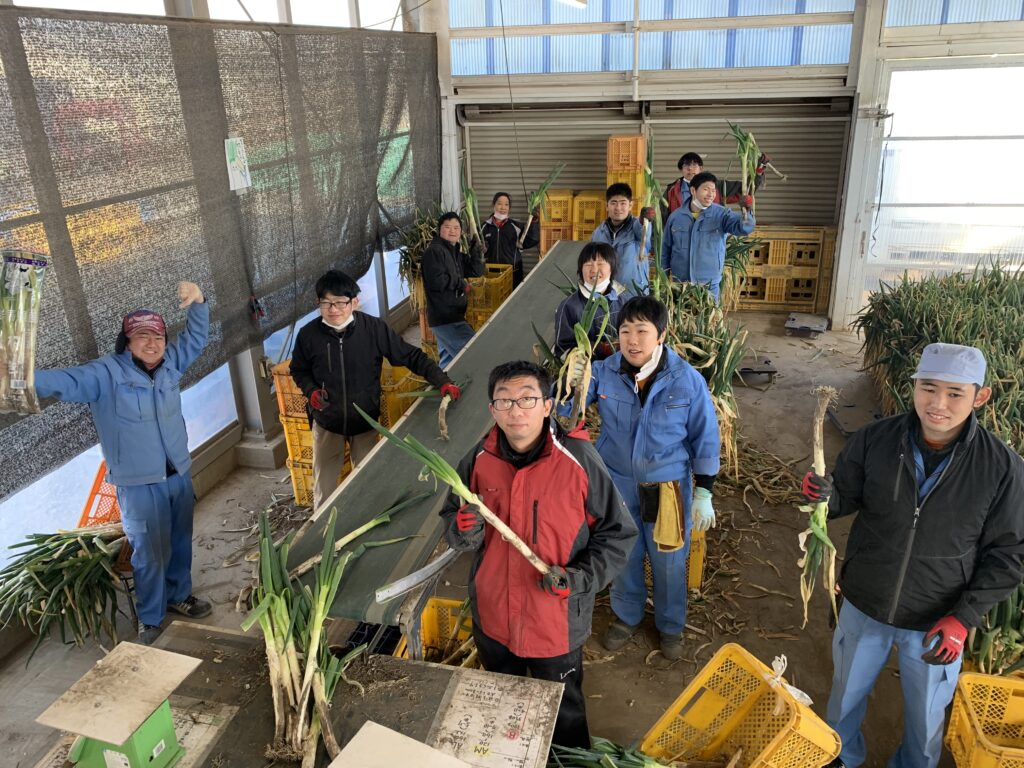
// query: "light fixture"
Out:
[575,3]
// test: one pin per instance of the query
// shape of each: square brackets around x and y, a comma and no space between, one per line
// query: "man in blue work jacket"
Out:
[693,246]
[937,541]
[135,399]
[625,233]
[658,429]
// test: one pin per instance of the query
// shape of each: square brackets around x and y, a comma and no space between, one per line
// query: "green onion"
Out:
[21,291]
[538,199]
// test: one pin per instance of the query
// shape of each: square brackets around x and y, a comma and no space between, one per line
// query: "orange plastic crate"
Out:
[290,400]
[101,506]
[626,153]
[729,706]
[549,235]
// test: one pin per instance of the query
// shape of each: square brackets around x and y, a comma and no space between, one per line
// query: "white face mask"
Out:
[500,216]
[697,204]
[343,326]
[649,367]
[589,290]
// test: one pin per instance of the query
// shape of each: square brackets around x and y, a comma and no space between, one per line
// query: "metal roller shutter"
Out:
[807,142]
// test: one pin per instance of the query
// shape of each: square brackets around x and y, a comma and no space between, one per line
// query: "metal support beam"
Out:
[262,444]
[862,166]
[187,9]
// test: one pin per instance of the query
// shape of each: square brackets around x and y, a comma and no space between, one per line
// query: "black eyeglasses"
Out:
[524,403]
[336,304]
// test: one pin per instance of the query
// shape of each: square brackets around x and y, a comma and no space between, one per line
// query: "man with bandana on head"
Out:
[135,399]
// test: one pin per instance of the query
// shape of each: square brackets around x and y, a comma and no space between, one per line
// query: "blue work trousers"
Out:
[629,590]
[860,650]
[451,338]
[157,520]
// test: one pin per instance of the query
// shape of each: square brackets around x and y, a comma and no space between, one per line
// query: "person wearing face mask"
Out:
[336,363]
[444,268]
[501,235]
[659,437]
[693,246]
[135,399]
[595,269]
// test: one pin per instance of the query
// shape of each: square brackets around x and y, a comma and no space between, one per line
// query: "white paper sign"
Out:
[238,164]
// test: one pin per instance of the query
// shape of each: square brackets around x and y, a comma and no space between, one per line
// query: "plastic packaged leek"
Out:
[21,292]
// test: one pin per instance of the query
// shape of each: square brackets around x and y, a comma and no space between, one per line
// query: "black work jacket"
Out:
[501,244]
[910,561]
[347,364]
[444,268]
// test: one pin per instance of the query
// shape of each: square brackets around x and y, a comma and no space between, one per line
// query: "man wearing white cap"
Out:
[135,399]
[937,542]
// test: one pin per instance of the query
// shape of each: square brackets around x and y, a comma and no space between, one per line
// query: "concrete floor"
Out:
[627,691]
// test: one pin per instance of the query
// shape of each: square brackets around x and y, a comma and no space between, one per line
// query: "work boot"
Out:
[192,606]
[148,633]
[837,763]
[671,646]
[618,634]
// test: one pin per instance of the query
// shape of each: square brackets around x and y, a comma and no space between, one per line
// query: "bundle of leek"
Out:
[748,155]
[21,290]
[538,199]
[583,353]
[444,472]
[470,207]
[653,198]
[818,549]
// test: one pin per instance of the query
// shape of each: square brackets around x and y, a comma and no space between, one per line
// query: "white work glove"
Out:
[189,293]
[576,371]
[702,511]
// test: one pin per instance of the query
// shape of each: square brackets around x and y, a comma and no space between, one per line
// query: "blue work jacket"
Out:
[673,434]
[633,270]
[138,418]
[694,250]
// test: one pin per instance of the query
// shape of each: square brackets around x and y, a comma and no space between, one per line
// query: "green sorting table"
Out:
[388,473]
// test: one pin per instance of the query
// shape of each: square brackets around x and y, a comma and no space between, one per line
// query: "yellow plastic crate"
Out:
[694,562]
[436,625]
[635,179]
[392,405]
[549,235]
[582,232]
[492,289]
[302,478]
[589,209]
[290,400]
[986,729]
[477,317]
[557,208]
[729,706]
[299,438]
[626,153]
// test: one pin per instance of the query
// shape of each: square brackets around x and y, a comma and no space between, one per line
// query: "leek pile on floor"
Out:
[984,309]
[698,332]
[819,551]
[602,754]
[21,291]
[65,582]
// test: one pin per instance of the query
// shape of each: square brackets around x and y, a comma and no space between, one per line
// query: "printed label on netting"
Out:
[496,721]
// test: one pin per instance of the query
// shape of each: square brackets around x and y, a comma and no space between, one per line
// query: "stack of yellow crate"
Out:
[625,163]
[555,219]
[299,437]
[488,293]
[588,211]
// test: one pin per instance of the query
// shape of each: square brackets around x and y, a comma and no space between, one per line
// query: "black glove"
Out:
[469,525]
[816,488]
[556,582]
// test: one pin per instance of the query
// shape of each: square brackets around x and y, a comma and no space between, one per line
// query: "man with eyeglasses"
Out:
[553,491]
[336,363]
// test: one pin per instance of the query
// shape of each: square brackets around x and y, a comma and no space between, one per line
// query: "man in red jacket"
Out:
[553,491]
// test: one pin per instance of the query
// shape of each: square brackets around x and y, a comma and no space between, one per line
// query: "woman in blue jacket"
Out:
[658,426]
[135,399]
[693,246]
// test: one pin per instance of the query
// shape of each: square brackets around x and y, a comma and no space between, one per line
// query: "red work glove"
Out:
[469,288]
[746,201]
[556,582]
[468,519]
[951,634]
[450,389]
[762,163]
[318,399]
[816,488]
[647,214]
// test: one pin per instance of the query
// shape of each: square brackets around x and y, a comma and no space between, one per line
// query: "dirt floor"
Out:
[750,596]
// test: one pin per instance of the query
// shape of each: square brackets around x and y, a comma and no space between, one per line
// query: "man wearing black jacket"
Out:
[937,542]
[444,268]
[336,363]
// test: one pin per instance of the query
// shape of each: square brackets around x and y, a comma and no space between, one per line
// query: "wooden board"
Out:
[115,697]
[378,747]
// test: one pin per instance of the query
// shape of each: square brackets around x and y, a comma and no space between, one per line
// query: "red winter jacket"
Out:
[565,507]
